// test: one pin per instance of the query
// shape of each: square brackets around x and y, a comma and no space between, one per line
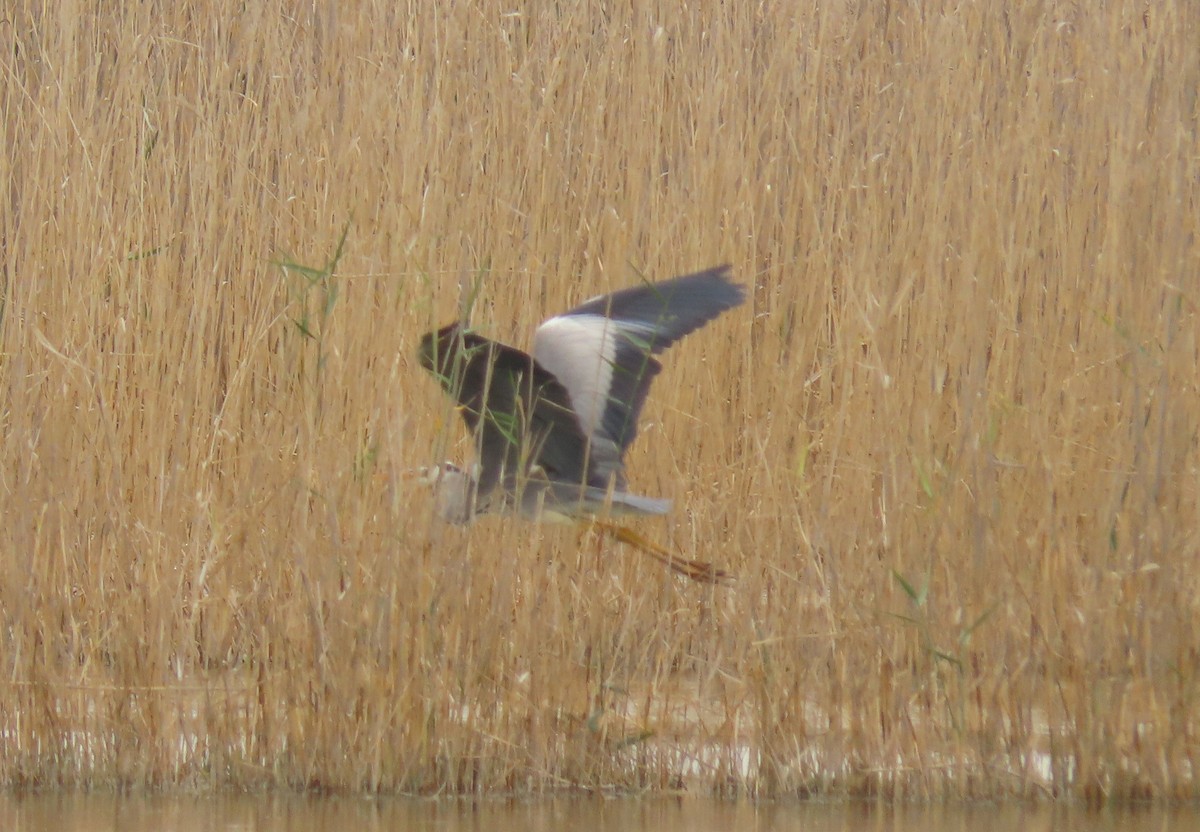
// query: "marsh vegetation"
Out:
[948,447]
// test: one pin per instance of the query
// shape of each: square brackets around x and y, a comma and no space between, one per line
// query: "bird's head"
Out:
[453,491]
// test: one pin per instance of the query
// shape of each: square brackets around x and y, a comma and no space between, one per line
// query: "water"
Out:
[69,812]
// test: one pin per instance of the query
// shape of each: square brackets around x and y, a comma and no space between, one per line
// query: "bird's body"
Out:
[552,428]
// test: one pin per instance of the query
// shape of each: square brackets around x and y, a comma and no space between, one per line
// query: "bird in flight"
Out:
[551,429]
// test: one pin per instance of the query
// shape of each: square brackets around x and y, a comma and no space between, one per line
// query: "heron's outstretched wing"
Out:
[602,352]
[519,414]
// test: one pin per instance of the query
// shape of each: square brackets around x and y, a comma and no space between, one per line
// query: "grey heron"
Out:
[551,429]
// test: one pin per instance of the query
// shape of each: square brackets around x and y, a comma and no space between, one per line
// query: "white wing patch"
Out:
[580,350]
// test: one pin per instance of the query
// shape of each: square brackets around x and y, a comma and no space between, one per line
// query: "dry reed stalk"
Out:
[950,451]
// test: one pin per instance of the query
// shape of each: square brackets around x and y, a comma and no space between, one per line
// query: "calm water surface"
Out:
[272,813]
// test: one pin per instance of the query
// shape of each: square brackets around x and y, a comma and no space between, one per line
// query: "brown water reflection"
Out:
[269,813]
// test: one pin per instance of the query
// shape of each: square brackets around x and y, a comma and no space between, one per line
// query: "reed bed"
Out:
[949,446]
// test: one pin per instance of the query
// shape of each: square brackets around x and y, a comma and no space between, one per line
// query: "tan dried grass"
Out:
[950,446]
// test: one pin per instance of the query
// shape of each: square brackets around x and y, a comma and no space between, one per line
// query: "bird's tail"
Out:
[635,504]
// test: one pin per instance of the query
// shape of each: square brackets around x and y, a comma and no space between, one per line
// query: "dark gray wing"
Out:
[603,352]
[519,414]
